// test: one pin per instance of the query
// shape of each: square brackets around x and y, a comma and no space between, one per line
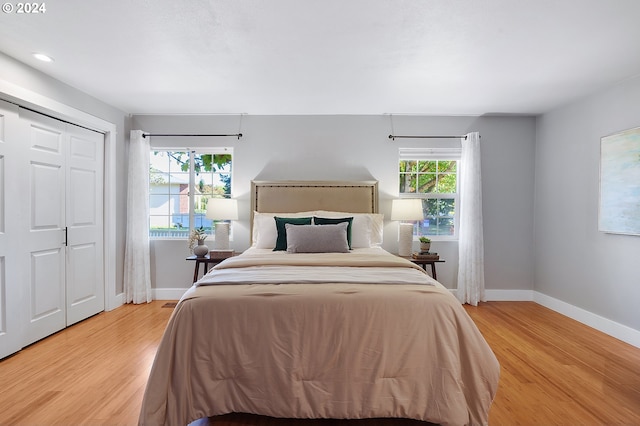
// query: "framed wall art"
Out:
[620,183]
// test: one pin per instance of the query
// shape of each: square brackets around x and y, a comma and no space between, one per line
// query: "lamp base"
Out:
[222,236]
[405,239]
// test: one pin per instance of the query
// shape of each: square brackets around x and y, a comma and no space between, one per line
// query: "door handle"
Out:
[66,236]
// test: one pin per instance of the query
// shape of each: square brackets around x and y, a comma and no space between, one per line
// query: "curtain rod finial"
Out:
[392,137]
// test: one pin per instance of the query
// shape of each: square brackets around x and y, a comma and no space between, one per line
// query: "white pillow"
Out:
[317,238]
[361,232]
[265,233]
[367,228]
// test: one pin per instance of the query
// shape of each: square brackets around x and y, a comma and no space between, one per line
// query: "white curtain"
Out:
[471,240]
[137,275]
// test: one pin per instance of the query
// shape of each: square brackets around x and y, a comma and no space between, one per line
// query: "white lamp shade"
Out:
[407,209]
[222,209]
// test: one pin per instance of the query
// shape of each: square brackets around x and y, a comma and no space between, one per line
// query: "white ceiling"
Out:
[332,56]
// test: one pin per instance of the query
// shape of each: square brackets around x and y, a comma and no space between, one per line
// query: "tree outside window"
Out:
[180,185]
[435,181]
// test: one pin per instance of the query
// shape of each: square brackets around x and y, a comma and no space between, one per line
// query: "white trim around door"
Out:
[37,102]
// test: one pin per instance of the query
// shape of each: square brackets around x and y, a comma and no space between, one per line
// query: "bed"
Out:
[330,326]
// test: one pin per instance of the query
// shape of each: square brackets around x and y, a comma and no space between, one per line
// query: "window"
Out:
[180,184]
[432,175]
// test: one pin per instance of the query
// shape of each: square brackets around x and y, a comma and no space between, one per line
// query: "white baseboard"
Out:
[612,328]
[504,295]
[114,302]
[167,293]
[605,325]
[509,295]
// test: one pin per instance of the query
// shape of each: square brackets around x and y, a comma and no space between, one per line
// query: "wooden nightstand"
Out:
[206,261]
[424,263]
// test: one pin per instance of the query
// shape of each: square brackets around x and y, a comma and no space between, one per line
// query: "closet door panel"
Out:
[81,286]
[46,191]
[45,234]
[46,267]
[84,216]
[11,318]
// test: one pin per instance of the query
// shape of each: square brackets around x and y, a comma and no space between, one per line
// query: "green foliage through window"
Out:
[172,206]
[435,181]
[432,176]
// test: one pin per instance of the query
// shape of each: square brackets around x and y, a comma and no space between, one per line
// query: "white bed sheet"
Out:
[287,274]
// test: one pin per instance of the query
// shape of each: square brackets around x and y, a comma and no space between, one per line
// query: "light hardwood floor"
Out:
[555,371]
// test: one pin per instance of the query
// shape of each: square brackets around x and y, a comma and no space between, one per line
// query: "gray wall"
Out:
[330,148]
[573,261]
[28,78]
[357,147]
[576,263]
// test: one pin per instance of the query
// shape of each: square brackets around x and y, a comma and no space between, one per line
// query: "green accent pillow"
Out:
[335,221]
[281,239]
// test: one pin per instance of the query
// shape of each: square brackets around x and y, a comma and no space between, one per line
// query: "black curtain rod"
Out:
[393,137]
[238,135]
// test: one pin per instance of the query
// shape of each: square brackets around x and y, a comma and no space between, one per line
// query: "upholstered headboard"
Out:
[298,196]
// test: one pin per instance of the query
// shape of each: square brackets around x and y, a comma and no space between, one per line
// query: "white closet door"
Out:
[84,218]
[11,318]
[51,226]
[45,156]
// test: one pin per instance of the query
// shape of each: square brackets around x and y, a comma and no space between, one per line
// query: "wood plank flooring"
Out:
[555,371]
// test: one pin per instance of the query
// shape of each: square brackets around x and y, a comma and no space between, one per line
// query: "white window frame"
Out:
[432,154]
[192,178]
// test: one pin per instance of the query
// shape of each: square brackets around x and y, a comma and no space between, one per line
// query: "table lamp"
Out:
[406,209]
[220,209]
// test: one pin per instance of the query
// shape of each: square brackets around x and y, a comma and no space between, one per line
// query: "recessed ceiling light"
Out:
[43,57]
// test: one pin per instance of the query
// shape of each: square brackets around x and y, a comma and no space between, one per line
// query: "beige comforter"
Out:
[321,350]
